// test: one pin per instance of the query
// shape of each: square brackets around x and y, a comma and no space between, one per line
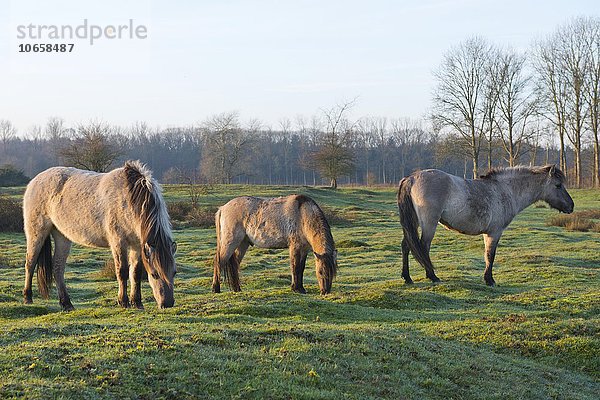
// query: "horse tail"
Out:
[410,222]
[44,271]
[228,269]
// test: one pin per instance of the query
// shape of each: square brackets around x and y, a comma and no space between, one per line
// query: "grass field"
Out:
[536,335]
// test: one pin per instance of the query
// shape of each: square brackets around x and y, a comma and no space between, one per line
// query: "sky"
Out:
[265,59]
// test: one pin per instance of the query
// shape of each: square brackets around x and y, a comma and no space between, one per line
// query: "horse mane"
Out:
[145,196]
[322,227]
[497,172]
[325,229]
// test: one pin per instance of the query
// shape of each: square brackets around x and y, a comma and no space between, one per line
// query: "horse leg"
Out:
[62,247]
[491,243]
[405,271]
[122,272]
[35,240]
[427,234]
[135,277]
[297,264]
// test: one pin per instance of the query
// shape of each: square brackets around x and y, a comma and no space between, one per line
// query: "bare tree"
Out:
[405,132]
[490,104]
[91,147]
[573,62]
[591,94]
[516,102]
[226,146]
[459,97]
[335,158]
[7,133]
[552,89]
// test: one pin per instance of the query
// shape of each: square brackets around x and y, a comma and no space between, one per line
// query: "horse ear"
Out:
[552,170]
[148,250]
[335,255]
[173,247]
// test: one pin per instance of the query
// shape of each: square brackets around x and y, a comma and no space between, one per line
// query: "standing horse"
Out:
[479,206]
[122,209]
[294,221]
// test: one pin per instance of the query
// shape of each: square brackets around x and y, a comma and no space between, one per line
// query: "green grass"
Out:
[535,335]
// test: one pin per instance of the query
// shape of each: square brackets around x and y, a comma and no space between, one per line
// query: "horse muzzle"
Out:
[167,304]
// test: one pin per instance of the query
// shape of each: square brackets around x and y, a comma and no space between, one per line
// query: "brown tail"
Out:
[410,223]
[44,271]
[228,269]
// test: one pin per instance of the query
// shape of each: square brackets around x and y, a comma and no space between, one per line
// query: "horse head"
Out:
[159,262]
[554,192]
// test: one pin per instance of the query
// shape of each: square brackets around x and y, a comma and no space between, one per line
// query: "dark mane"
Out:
[496,172]
[146,199]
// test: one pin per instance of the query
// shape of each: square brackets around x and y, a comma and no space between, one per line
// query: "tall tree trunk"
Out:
[596,172]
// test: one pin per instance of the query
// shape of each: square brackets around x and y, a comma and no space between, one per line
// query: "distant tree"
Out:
[515,102]
[91,147]
[11,176]
[459,96]
[335,158]
[55,133]
[7,133]
[592,88]
[227,147]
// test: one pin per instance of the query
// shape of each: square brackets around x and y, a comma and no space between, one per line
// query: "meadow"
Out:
[536,335]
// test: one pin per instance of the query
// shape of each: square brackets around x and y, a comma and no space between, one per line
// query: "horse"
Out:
[472,206]
[294,221]
[122,209]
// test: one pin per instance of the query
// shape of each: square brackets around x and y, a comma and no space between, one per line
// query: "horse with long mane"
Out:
[122,209]
[295,221]
[472,206]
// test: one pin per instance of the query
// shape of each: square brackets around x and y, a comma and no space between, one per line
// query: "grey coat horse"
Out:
[122,209]
[295,222]
[481,206]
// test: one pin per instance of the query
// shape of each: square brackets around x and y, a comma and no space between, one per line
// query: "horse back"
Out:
[467,206]
[271,223]
[82,205]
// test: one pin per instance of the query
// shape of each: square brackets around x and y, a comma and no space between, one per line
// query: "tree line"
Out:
[492,106]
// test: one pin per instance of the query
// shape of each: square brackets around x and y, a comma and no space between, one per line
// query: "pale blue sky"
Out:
[266,59]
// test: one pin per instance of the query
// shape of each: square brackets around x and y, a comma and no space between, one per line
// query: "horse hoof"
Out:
[27,301]
[408,281]
[435,279]
[68,307]
[216,289]
[301,290]
[490,283]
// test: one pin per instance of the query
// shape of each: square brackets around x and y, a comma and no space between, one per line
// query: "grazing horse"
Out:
[472,206]
[295,221]
[122,209]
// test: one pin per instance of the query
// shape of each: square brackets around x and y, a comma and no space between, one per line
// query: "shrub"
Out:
[11,215]
[559,220]
[578,221]
[11,176]
[184,214]
[108,270]
[592,214]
